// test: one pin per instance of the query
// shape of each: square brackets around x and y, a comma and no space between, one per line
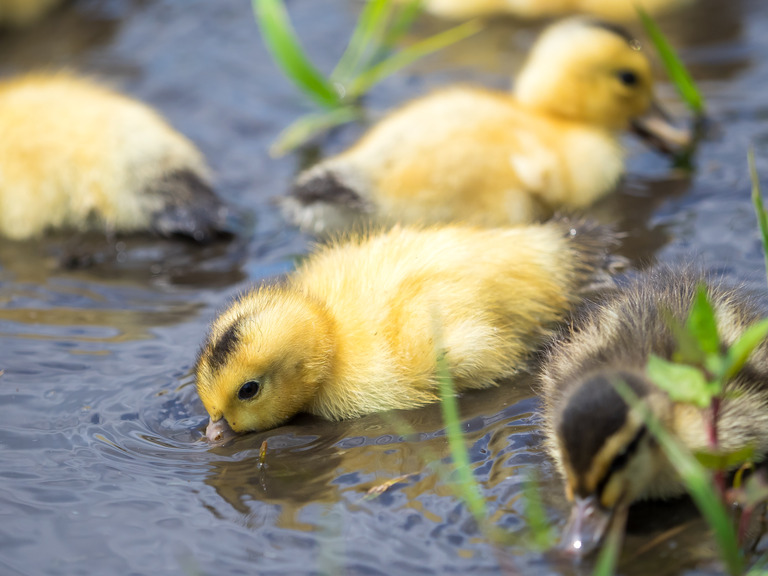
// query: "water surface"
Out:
[103,470]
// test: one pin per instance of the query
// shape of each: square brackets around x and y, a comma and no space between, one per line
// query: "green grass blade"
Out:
[542,534]
[757,201]
[466,481]
[281,41]
[676,70]
[366,40]
[698,483]
[402,22]
[309,126]
[609,553]
[366,80]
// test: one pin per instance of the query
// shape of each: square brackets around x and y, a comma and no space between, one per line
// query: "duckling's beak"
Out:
[656,128]
[219,431]
[586,526]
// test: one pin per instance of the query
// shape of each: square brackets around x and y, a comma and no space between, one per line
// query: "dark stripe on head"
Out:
[224,347]
[594,413]
[615,29]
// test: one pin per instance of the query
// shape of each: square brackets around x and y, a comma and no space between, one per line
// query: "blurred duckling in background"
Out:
[602,448]
[614,10]
[19,13]
[77,156]
[472,155]
[358,327]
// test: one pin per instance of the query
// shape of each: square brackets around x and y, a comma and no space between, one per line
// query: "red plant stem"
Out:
[715,408]
[714,445]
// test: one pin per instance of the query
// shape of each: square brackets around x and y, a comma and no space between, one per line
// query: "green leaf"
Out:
[688,349]
[311,125]
[697,480]
[281,41]
[683,383]
[739,352]
[366,40]
[372,76]
[725,460]
[757,201]
[685,85]
[702,324]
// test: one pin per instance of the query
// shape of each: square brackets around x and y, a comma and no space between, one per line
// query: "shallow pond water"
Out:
[102,467]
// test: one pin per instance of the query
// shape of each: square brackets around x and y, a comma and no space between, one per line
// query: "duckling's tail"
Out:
[191,209]
[592,246]
[327,197]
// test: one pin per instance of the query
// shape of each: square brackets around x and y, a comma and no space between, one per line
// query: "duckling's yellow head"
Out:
[608,455]
[589,71]
[263,361]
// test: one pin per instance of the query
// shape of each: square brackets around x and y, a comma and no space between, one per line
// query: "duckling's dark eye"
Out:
[627,77]
[249,390]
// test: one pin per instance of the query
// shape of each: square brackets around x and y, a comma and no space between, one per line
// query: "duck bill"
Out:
[657,130]
[586,526]
[219,431]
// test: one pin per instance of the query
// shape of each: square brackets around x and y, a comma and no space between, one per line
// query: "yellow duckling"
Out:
[532,9]
[602,448]
[76,155]
[19,13]
[492,158]
[358,327]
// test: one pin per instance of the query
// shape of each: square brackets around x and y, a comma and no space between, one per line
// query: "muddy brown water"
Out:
[102,465]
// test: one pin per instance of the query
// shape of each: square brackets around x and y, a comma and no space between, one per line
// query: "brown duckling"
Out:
[467,154]
[601,447]
[75,155]
[359,326]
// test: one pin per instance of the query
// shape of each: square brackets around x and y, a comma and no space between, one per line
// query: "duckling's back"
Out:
[462,154]
[485,297]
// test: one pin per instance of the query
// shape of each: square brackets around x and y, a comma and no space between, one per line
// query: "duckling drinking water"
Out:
[467,154]
[76,155]
[359,326]
[600,446]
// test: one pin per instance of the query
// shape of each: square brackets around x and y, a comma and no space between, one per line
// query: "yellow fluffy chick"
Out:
[359,327]
[492,158]
[531,9]
[18,13]
[602,448]
[75,155]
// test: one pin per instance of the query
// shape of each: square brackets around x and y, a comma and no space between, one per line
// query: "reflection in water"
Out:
[135,259]
[85,325]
